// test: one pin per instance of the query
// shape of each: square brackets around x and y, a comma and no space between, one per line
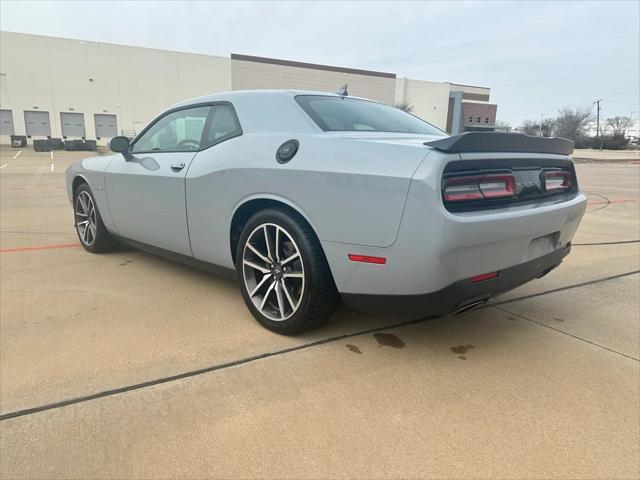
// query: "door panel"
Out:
[146,190]
[146,199]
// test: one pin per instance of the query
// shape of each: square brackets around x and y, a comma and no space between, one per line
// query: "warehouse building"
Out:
[71,89]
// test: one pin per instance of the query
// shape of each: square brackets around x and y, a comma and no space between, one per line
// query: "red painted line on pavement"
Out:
[620,200]
[72,245]
[40,247]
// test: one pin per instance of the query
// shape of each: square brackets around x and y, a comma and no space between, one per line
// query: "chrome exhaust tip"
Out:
[470,306]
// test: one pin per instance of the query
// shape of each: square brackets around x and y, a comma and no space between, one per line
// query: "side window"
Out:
[179,131]
[223,124]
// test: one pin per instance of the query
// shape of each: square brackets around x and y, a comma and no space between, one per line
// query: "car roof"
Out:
[241,94]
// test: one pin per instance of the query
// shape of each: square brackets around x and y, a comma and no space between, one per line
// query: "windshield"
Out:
[344,114]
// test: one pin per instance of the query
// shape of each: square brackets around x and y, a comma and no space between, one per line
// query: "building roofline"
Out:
[466,85]
[114,44]
[314,66]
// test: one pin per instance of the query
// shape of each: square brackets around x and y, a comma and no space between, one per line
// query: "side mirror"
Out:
[119,144]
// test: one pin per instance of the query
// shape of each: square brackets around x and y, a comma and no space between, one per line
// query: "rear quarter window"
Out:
[344,114]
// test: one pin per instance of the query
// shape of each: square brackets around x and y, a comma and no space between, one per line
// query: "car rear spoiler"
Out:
[502,142]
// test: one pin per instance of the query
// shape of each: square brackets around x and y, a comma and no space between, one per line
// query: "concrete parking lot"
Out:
[126,365]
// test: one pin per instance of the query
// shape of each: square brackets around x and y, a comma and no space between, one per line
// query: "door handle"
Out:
[177,166]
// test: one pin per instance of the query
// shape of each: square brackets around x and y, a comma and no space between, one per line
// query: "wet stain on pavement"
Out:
[388,340]
[512,318]
[558,319]
[462,357]
[354,349]
[461,349]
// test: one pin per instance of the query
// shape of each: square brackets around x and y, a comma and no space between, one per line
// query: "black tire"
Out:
[318,298]
[102,241]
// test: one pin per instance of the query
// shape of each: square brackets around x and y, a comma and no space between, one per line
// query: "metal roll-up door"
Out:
[106,125]
[6,122]
[72,124]
[37,124]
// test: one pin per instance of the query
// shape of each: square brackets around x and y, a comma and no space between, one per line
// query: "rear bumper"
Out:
[460,294]
[436,248]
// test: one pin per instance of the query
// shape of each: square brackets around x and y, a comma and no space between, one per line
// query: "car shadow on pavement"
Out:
[344,321]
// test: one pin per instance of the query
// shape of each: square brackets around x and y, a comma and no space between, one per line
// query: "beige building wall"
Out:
[62,75]
[256,73]
[55,75]
[430,100]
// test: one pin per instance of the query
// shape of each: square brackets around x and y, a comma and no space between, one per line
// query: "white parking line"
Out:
[51,152]
[17,154]
[4,165]
[52,167]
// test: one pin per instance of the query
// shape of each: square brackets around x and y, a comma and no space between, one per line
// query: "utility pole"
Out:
[597,102]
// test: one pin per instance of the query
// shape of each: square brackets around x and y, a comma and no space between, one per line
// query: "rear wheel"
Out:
[92,233]
[284,276]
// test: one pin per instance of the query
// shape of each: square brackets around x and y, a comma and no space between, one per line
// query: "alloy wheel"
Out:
[273,272]
[86,218]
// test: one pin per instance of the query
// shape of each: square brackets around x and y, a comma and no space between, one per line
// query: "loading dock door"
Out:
[6,122]
[72,124]
[37,124]
[106,126]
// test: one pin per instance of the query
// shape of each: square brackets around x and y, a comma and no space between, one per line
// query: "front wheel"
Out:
[284,276]
[92,233]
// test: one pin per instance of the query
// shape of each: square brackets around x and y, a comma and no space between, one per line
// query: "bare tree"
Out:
[530,127]
[502,126]
[572,123]
[404,106]
[548,126]
[618,126]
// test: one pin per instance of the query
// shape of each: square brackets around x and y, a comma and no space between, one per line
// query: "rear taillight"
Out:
[557,181]
[479,187]
[462,188]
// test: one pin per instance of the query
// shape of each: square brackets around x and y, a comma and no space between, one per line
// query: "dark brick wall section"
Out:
[484,111]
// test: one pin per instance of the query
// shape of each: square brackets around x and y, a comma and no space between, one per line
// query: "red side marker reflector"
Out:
[484,276]
[367,259]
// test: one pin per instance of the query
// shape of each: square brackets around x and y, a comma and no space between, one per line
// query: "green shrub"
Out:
[609,142]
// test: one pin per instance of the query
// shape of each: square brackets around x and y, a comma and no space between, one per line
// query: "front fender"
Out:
[91,171]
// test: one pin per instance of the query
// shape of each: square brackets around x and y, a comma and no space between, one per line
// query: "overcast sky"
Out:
[536,56]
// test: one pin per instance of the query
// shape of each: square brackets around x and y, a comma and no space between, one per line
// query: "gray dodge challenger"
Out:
[310,198]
